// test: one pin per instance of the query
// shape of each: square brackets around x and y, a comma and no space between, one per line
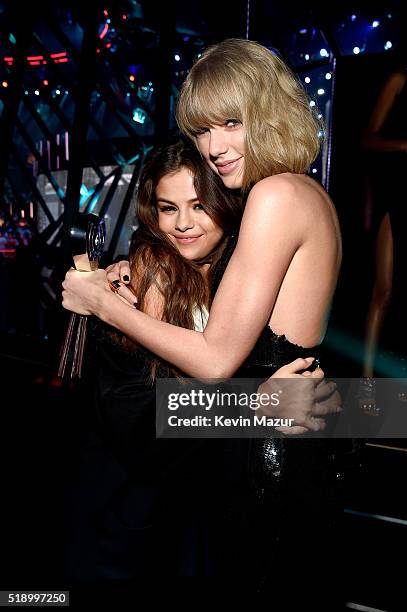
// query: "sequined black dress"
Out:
[289,498]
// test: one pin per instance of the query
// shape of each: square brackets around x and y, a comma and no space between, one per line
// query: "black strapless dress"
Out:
[291,503]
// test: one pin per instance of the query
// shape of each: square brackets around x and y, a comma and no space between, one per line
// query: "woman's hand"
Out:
[119,275]
[119,271]
[304,396]
[83,292]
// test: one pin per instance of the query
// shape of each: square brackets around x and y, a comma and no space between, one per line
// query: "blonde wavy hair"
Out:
[241,79]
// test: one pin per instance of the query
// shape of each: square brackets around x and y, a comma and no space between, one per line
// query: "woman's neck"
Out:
[204,268]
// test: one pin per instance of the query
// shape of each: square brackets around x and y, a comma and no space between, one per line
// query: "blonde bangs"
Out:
[198,107]
[243,80]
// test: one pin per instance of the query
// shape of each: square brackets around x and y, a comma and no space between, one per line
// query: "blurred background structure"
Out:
[86,89]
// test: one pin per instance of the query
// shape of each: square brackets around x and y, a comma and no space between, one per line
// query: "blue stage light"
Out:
[139,115]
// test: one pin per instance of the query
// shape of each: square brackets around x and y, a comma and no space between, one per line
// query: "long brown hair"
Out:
[154,260]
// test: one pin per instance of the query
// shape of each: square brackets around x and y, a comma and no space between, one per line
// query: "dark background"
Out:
[116,95]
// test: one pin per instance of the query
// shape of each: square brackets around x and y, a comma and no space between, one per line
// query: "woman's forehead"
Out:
[180,179]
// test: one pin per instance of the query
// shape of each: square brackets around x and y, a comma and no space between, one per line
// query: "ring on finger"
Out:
[115,286]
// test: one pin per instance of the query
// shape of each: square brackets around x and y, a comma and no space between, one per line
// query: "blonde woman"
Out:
[251,121]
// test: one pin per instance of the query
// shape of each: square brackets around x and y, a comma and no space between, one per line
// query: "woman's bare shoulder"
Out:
[295,192]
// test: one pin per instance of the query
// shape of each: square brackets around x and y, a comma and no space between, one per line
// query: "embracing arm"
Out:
[268,241]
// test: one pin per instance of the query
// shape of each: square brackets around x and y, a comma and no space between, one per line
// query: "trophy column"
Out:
[87,237]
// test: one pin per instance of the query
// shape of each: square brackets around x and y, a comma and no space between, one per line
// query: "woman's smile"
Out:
[228,167]
[187,239]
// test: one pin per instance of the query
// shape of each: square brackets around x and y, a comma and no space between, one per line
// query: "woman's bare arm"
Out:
[273,230]
[372,138]
[381,292]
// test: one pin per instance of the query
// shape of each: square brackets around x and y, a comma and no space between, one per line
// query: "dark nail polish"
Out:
[126,278]
[135,304]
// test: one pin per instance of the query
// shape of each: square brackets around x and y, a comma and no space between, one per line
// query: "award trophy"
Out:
[87,236]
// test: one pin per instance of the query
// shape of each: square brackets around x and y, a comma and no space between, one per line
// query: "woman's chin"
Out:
[232,182]
[191,255]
